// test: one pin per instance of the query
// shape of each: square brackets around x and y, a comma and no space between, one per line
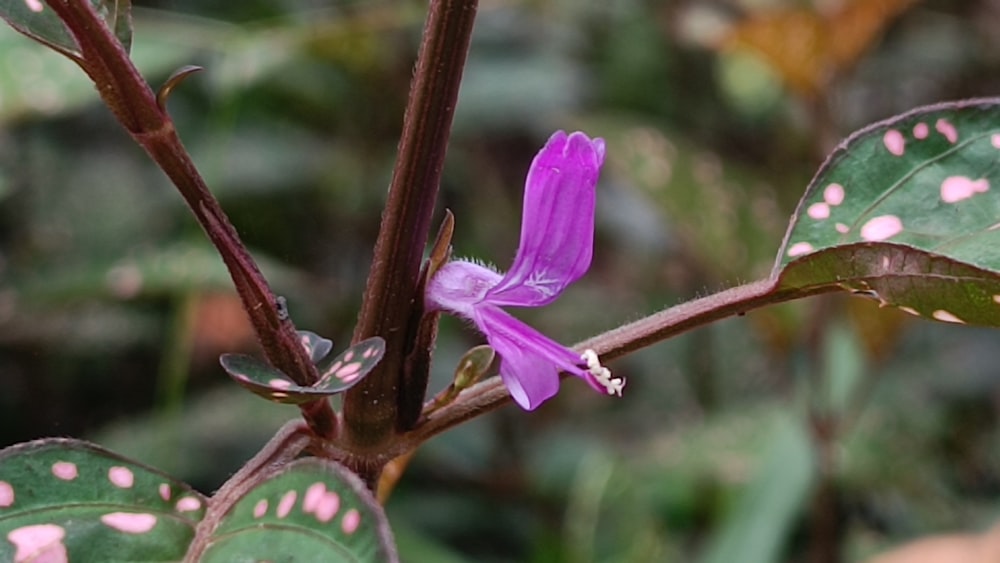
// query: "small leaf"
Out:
[336,376]
[173,81]
[309,510]
[344,371]
[36,20]
[70,500]
[907,211]
[316,346]
[441,250]
[473,366]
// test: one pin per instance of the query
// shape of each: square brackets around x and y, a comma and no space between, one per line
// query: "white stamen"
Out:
[601,374]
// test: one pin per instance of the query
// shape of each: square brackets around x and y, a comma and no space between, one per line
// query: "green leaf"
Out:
[36,20]
[907,211]
[316,346]
[64,498]
[843,371]
[32,82]
[336,375]
[309,510]
[761,521]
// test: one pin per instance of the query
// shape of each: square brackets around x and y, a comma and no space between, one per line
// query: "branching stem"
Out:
[392,306]
[135,105]
[491,394]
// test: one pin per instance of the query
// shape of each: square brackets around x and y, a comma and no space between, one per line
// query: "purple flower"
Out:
[557,239]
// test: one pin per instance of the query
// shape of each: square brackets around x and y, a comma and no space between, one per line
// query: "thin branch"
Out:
[134,104]
[491,394]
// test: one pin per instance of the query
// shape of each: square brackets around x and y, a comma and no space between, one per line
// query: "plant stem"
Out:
[134,105]
[491,394]
[392,305]
[287,443]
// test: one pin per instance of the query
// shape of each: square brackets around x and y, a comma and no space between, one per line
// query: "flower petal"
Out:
[529,382]
[531,361]
[557,229]
[458,286]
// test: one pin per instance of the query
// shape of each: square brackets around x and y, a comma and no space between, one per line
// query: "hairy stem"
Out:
[290,441]
[392,304]
[491,394]
[135,105]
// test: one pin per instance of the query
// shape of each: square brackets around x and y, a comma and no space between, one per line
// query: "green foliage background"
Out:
[826,426]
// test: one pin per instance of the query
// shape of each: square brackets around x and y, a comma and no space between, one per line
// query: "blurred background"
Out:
[825,430]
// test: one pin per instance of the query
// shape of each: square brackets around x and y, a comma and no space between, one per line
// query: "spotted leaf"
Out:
[36,20]
[907,211]
[309,510]
[316,346]
[336,375]
[68,500]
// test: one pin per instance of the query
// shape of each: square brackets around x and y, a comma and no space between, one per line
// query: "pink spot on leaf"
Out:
[799,248]
[881,228]
[279,383]
[945,127]
[321,502]
[328,506]
[349,372]
[314,494]
[894,142]
[129,522]
[64,470]
[921,130]
[39,543]
[947,317]
[834,194]
[6,494]
[348,356]
[995,139]
[121,477]
[34,5]
[286,503]
[842,228]
[351,521]
[996,299]
[368,353]
[188,504]
[957,188]
[164,491]
[334,368]
[260,509]
[819,210]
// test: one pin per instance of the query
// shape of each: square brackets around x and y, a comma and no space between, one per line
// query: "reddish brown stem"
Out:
[392,304]
[134,104]
[491,394]
[287,443]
